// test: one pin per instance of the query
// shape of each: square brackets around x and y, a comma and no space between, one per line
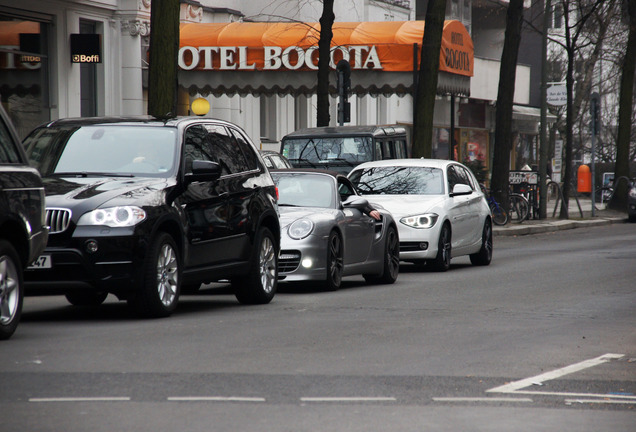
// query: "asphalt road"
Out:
[542,339]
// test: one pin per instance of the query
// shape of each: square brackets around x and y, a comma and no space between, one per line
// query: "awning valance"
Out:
[282,58]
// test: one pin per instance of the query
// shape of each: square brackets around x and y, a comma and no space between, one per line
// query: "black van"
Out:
[342,148]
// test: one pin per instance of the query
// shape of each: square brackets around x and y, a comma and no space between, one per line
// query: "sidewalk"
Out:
[602,216]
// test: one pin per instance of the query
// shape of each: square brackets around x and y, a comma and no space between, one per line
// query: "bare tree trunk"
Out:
[625,107]
[324,56]
[164,50]
[427,79]
[505,98]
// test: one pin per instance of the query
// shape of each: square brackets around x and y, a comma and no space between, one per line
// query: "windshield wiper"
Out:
[287,205]
[307,161]
[89,174]
[340,160]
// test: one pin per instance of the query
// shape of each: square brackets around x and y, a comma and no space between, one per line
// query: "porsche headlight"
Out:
[124,216]
[300,229]
[422,221]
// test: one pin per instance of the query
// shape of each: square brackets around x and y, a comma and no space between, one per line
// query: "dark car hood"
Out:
[89,193]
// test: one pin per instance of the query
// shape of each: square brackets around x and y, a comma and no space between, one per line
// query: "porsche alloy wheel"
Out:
[391,267]
[335,262]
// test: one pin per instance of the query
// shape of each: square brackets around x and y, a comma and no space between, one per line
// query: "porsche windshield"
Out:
[305,190]
[399,180]
[103,150]
[319,151]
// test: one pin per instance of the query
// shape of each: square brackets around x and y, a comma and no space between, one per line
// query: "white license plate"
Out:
[42,262]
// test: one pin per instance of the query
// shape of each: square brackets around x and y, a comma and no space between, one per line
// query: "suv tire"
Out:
[158,293]
[11,290]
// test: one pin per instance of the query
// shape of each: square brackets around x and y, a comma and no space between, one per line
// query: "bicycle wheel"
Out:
[499,215]
[519,208]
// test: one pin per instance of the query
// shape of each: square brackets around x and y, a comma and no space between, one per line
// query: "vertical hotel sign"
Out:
[86,48]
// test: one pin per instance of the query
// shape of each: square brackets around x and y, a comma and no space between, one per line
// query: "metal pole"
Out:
[593,181]
[543,138]
[414,93]
[451,140]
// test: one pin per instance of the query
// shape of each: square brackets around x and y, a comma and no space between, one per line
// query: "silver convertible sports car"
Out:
[327,231]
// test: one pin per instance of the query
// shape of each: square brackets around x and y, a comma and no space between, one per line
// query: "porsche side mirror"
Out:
[356,202]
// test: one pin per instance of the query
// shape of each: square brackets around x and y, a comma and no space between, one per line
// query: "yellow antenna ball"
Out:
[200,106]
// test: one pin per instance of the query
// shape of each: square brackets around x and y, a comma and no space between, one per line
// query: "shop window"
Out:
[24,72]
[88,77]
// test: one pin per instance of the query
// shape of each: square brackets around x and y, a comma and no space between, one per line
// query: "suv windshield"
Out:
[399,180]
[104,150]
[328,151]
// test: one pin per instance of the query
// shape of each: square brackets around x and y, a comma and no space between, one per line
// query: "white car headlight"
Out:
[632,192]
[422,221]
[300,229]
[124,216]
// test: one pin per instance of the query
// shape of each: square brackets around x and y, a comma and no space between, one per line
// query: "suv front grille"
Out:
[57,219]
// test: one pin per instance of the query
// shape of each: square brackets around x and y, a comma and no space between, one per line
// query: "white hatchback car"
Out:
[440,208]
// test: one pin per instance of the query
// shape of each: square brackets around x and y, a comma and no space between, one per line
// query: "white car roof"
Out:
[432,163]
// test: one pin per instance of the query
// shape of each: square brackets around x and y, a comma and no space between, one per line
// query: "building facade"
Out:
[40,80]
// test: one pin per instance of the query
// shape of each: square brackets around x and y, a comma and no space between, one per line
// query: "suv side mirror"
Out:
[461,189]
[203,171]
[356,202]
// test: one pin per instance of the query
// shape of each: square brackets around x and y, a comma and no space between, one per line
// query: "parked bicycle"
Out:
[499,215]
[519,207]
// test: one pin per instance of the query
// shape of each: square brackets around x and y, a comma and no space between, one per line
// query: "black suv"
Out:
[22,231]
[145,209]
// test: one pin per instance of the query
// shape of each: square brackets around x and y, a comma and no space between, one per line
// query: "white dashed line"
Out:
[480,399]
[81,399]
[215,399]
[596,401]
[348,399]
[595,395]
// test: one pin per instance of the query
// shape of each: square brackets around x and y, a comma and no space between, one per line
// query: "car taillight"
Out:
[276,193]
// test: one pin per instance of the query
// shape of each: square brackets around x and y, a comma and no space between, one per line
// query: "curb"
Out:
[558,225]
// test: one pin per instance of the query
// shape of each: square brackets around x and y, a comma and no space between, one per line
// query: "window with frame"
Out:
[345,189]
[248,150]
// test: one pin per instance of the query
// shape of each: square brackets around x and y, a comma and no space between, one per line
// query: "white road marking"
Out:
[348,399]
[596,395]
[216,399]
[480,399]
[596,401]
[514,386]
[81,399]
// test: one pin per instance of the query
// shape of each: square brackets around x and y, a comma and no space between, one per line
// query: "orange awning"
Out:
[216,58]
[386,46]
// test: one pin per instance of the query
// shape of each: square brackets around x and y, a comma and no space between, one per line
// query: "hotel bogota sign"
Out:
[382,46]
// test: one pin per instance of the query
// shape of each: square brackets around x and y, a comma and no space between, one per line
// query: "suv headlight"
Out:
[300,229]
[422,221]
[124,216]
